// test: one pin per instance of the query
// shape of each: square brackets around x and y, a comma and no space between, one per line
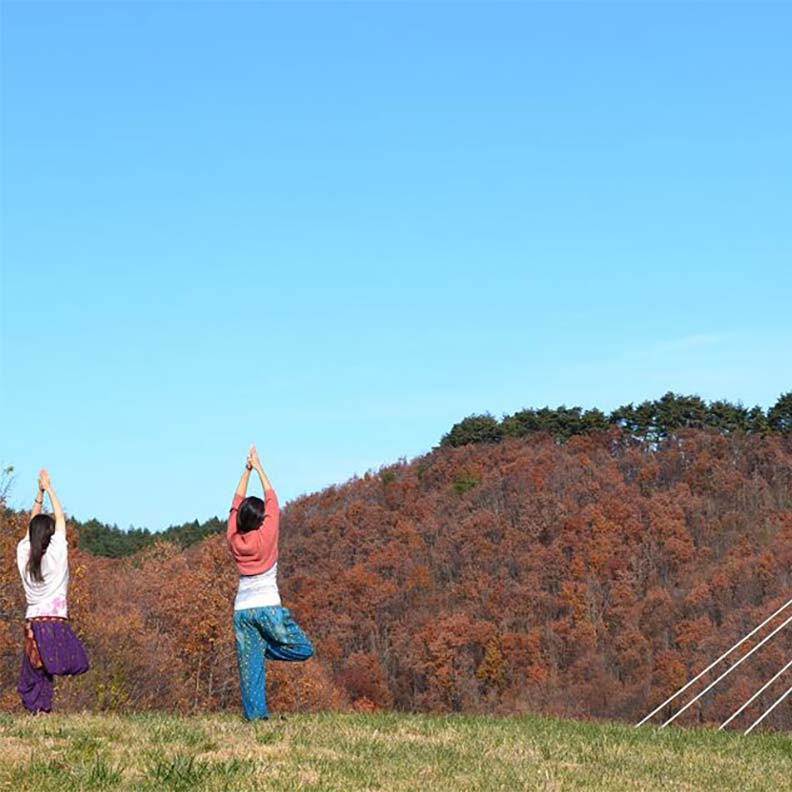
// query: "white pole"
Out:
[712,665]
[762,717]
[727,672]
[758,693]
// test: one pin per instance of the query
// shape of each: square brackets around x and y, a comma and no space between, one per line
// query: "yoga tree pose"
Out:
[263,629]
[51,648]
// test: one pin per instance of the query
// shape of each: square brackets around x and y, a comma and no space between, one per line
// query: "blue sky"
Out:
[335,229]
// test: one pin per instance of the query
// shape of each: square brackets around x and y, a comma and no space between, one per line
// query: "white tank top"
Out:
[258,591]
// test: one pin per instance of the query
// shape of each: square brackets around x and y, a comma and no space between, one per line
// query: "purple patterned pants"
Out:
[61,653]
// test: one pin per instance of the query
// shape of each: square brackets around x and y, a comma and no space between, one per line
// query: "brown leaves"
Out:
[588,577]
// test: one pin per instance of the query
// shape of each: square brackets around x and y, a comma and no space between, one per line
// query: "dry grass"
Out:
[386,752]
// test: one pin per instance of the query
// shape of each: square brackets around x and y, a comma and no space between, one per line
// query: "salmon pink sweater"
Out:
[255,551]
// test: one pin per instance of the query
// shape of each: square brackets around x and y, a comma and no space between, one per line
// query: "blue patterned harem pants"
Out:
[263,634]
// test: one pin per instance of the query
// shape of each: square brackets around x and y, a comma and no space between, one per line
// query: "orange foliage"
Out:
[591,578]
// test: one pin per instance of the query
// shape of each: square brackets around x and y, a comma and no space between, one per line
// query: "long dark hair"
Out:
[250,514]
[42,526]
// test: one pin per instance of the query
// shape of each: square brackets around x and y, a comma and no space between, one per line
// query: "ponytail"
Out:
[42,526]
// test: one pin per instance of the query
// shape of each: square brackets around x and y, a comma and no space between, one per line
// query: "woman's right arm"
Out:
[271,507]
[254,459]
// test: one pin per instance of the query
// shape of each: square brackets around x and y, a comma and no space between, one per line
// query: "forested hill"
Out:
[648,422]
[583,578]
[111,541]
[580,578]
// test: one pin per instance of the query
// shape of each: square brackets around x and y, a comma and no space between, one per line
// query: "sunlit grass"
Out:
[382,751]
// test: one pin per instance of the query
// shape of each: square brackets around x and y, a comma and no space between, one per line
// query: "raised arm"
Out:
[60,519]
[38,502]
[271,506]
[239,496]
[254,459]
[241,490]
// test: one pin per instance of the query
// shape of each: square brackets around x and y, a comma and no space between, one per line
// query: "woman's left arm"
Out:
[39,501]
[241,489]
[60,519]
[239,496]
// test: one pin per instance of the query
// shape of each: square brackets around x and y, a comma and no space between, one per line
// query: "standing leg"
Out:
[252,672]
[35,687]
[284,639]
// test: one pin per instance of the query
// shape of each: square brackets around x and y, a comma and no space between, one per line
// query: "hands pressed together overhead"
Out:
[45,485]
[253,460]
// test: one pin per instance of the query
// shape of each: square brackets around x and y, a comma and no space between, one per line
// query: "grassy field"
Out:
[378,752]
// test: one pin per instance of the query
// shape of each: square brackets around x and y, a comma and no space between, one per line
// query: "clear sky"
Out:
[337,228]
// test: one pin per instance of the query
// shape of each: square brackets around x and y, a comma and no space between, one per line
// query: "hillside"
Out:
[378,752]
[648,423]
[584,579]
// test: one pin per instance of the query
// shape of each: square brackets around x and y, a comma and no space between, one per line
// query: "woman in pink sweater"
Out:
[263,629]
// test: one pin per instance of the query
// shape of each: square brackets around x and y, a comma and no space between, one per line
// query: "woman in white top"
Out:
[50,645]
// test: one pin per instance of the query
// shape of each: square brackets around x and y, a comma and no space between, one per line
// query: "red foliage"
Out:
[590,578]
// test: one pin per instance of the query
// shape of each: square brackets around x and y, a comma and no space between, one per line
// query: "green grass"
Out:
[384,751]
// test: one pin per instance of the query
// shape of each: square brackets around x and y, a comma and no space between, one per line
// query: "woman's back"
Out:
[51,648]
[46,597]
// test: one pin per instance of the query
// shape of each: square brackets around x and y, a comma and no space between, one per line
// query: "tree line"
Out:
[649,421]
[110,541]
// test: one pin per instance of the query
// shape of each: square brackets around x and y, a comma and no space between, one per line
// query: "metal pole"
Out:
[712,665]
[763,716]
[758,693]
[727,672]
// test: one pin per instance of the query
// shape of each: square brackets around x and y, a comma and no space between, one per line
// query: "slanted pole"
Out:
[755,695]
[727,672]
[712,665]
[767,712]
